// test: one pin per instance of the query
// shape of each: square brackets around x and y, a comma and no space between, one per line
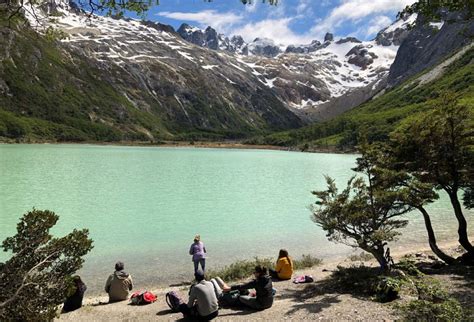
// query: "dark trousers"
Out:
[192,312]
[201,261]
[273,273]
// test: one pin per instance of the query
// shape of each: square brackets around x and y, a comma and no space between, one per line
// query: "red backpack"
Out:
[142,298]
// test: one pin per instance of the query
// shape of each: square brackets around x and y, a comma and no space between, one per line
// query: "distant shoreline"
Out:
[191,144]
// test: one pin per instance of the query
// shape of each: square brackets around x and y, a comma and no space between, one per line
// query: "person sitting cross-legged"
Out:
[202,303]
[263,286]
[118,284]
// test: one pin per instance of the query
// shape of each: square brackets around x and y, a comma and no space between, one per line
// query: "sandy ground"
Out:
[292,302]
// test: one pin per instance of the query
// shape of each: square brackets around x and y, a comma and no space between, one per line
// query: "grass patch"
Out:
[362,257]
[240,269]
[307,261]
[245,268]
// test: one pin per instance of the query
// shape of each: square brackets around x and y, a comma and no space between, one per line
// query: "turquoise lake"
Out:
[143,205]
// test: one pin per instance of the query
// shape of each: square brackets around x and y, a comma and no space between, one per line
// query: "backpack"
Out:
[303,279]
[174,301]
[229,299]
[142,298]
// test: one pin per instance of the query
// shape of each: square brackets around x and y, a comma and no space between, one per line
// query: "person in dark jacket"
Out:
[263,287]
[74,301]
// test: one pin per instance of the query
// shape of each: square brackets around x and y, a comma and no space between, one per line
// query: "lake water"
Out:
[143,205]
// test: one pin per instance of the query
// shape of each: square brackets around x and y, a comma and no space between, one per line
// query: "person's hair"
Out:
[199,275]
[284,253]
[261,270]
[119,266]
[197,238]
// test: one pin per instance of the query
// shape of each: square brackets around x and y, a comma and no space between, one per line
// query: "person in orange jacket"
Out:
[284,266]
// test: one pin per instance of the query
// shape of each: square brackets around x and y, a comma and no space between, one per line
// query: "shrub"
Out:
[307,261]
[245,268]
[240,269]
[362,257]
[387,288]
[36,278]
[409,267]
[423,310]
[433,303]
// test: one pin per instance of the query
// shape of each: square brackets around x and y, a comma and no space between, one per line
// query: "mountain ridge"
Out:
[163,87]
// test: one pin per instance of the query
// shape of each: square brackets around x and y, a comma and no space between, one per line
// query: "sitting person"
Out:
[284,266]
[118,284]
[202,302]
[263,287]
[74,300]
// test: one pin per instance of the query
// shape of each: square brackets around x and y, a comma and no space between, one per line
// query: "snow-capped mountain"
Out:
[320,71]
[305,79]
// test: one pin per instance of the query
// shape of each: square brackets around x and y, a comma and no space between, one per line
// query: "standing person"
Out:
[118,284]
[284,266]
[202,302]
[263,287]
[74,300]
[198,251]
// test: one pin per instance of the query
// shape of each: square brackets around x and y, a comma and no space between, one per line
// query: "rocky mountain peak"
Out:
[264,47]
[328,37]
[348,39]
[396,32]
[304,49]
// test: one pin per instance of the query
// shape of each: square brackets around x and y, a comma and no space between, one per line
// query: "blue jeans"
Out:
[203,264]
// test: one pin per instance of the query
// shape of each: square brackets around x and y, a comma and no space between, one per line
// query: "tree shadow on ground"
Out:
[462,272]
[179,318]
[238,311]
[356,281]
[316,306]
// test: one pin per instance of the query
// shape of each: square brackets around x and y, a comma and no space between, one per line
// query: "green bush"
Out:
[409,267]
[424,310]
[307,261]
[245,268]
[362,257]
[240,269]
[433,304]
[387,288]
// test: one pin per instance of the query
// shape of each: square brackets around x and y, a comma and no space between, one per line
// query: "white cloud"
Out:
[366,17]
[356,10]
[221,21]
[376,24]
[304,8]
[252,7]
[276,29]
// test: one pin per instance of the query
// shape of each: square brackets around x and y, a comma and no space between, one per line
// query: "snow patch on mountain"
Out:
[300,76]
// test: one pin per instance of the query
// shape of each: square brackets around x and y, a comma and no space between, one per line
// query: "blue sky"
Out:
[290,22]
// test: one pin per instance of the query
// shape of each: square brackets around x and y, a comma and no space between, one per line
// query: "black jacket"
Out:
[263,285]
[74,301]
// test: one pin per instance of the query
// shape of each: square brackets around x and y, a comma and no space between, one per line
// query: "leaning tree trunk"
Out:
[462,224]
[432,238]
[379,256]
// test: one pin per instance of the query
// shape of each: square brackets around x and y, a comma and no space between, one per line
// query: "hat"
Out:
[199,275]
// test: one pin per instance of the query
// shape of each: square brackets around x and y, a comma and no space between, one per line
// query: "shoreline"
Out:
[314,301]
[238,145]
[332,263]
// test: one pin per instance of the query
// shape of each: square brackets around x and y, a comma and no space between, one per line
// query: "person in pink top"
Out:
[198,251]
